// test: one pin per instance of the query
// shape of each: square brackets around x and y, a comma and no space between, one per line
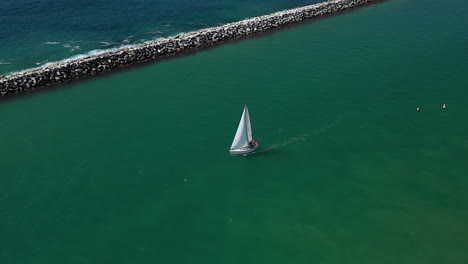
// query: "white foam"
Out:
[80,56]
[41,62]
[96,52]
[106,43]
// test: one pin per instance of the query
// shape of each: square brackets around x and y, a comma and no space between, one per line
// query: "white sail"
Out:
[247,124]
[244,132]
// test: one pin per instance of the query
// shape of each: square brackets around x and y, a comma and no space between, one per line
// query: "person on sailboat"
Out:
[253,143]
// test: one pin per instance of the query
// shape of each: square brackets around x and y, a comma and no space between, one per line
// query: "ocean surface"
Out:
[133,167]
[38,32]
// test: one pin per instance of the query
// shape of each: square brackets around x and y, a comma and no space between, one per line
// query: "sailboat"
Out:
[243,142]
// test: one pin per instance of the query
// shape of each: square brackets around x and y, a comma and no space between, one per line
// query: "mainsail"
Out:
[243,135]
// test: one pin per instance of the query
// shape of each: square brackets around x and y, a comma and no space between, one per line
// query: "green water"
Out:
[347,172]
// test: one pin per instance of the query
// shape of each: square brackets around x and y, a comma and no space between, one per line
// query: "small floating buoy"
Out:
[417,109]
[444,107]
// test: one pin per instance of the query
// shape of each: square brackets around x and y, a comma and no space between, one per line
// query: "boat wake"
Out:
[284,143]
[289,141]
[298,138]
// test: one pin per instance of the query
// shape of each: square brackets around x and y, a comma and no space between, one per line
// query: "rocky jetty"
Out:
[32,79]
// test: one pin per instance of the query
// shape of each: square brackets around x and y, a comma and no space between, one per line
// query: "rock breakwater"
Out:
[32,79]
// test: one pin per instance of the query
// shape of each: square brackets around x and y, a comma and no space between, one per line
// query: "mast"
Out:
[248,129]
[245,114]
[248,125]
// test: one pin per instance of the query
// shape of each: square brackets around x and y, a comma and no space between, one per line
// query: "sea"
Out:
[133,166]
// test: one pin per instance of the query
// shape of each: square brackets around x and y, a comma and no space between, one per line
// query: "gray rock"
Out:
[43,76]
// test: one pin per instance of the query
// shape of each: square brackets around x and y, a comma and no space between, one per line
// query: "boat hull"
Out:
[243,151]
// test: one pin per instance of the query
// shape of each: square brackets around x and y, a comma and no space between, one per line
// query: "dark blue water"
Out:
[36,32]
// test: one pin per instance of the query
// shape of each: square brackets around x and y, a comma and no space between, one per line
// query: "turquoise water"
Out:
[36,32]
[347,172]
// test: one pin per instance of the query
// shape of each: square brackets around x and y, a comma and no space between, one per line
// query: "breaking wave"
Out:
[81,56]
[71,47]
[125,43]
[96,52]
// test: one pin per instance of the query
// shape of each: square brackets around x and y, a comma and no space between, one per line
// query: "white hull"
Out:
[243,151]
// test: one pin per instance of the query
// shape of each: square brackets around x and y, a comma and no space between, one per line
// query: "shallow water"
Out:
[347,172]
